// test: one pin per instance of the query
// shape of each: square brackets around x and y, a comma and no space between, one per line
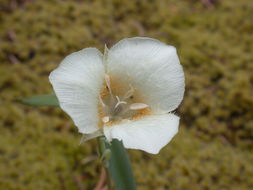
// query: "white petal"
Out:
[152,68]
[150,133]
[77,83]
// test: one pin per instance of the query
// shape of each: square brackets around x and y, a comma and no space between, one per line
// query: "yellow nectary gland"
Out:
[119,108]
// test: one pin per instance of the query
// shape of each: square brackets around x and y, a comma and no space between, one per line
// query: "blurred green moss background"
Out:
[39,147]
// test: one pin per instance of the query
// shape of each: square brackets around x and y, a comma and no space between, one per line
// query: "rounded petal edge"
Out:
[77,82]
[149,134]
[151,67]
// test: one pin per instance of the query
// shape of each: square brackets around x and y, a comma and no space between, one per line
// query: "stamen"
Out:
[138,106]
[101,102]
[129,93]
[108,83]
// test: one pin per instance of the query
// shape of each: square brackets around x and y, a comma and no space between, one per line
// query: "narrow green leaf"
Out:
[119,165]
[41,100]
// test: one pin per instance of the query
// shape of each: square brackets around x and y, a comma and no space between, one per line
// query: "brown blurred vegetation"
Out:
[39,147]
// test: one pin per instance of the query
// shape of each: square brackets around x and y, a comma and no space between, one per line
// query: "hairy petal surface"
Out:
[151,133]
[152,68]
[77,83]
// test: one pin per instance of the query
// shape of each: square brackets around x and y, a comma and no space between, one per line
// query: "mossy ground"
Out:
[39,147]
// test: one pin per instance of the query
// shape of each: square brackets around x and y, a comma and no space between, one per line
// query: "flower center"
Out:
[119,107]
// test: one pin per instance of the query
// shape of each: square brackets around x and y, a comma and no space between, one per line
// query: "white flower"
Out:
[125,94]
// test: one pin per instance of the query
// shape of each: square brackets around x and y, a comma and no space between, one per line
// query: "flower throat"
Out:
[119,108]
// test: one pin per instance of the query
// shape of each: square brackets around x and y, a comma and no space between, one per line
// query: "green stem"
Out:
[102,152]
[117,164]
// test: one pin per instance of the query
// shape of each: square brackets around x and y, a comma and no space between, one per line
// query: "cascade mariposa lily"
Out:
[127,93]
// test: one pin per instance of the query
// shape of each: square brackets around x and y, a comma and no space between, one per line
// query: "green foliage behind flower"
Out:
[39,147]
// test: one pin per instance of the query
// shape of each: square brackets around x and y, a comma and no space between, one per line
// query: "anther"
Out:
[106,119]
[138,106]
